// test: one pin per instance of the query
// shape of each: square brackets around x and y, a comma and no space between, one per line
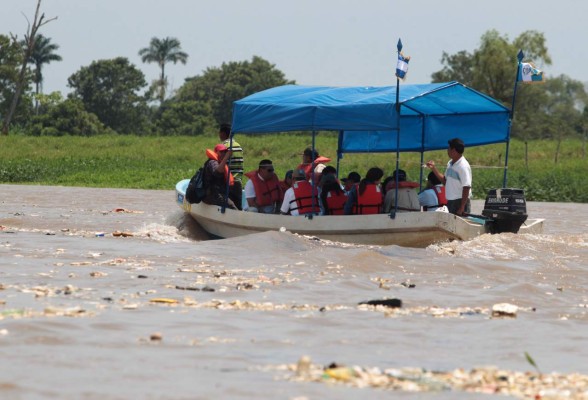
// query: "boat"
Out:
[375,119]
[408,229]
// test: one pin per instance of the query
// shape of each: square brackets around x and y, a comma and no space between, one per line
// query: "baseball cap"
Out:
[220,147]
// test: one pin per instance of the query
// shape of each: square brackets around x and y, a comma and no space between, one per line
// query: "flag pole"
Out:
[520,57]
[393,213]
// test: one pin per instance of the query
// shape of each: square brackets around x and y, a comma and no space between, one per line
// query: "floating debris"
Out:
[486,380]
[164,300]
[392,303]
[504,310]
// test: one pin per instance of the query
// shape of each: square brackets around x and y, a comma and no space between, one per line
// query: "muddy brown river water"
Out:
[156,311]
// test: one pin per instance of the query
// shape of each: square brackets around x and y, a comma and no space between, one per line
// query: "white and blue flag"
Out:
[402,66]
[529,74]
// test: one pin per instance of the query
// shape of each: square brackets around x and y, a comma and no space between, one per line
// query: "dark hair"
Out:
[311,153]
[225,129]
[433,178]
[329,183]
[372,175]
[328,170]
[401,175]
[288,174]
[265,163]
[457,144]
[354,176]
[385,183]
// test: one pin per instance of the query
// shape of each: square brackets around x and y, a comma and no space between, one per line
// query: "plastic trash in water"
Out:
[99,234]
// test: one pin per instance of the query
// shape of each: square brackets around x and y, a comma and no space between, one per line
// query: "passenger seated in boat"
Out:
[332,196]
[287,182]
[351,180]
[262,191]
[312,160]
[408,198]
[216,173]
[433,197]
[366,197]
[302,197]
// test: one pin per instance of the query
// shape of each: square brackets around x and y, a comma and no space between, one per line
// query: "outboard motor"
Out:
[507,208]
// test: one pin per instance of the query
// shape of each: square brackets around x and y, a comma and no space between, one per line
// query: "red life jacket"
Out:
[284,186]
[304,198]
[370,202]
[336,202]
[308,168]
[440,193]
[213,156]
[266,192]
[401,185]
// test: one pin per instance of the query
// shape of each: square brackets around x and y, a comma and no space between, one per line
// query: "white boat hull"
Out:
[411,229]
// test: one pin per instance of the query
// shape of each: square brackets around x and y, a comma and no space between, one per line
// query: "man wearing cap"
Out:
[235,162]
[216,176]
[262,191]
[457,178]
[311,160]
[299,199]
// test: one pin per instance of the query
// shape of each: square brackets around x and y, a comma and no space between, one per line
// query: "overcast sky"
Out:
[315,42]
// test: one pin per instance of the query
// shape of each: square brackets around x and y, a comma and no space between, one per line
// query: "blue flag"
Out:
[529,74]
[402,66]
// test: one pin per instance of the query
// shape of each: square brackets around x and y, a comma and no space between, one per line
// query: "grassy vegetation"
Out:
[159,162]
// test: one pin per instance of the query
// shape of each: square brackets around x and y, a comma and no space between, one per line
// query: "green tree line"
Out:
[114,96]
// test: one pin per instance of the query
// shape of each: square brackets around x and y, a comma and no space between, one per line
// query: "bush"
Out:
[67,118]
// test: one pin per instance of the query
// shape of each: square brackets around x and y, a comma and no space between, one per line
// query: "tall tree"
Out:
[549,110]
[10,61]
[492,67]
[43,53]
[109,89]
[30,37]
[163,51]
[220,87]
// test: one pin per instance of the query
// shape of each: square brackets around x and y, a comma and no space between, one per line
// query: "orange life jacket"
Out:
[336,202]
[266,192]
[308,168]
[213,156]
[303,196]
[370,202]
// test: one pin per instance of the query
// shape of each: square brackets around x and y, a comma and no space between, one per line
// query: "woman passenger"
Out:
[366,197]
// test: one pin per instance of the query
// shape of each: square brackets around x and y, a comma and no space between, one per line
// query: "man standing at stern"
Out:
[457,178]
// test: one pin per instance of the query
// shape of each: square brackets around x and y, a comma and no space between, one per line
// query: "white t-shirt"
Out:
[288,197]
[458,175]
[250,189]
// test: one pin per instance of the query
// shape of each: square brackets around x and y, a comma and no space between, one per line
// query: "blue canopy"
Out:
[430,114]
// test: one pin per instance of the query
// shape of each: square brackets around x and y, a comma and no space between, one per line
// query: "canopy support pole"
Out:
[422,155]
[393,212]
[312,180]
[339,153]
[520,56]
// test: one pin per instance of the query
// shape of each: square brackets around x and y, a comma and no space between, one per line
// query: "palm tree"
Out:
[43,53]
[162,51]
